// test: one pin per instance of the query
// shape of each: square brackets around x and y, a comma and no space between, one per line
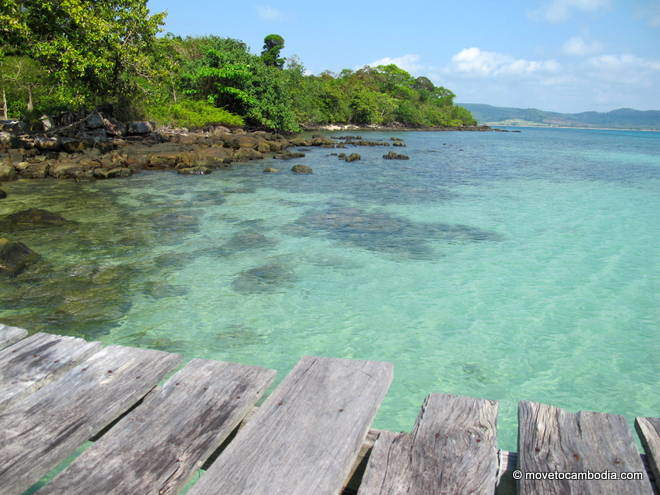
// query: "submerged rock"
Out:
[248,240]
[264,278]
[159,290]
[15,257]
[380,231]
[271,170]
[204,198]
[3,194]
[302,169]
[35,217]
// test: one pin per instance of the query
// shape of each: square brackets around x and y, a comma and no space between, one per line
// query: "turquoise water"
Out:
[507,266]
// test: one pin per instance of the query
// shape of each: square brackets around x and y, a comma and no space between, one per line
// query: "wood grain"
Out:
[452,449]
[10,335]
[305,438]
[554,440]
[649,433]
[158,446]
[36,361]
[46,427]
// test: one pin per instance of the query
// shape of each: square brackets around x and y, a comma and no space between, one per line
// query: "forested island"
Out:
[622,118]
[72,56]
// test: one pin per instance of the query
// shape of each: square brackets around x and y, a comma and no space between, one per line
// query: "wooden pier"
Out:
[310,436]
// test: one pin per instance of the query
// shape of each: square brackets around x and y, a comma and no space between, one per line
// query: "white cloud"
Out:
[476,62]
[409,63]
[268,13]
[624,62]
[561,10]
[578,46]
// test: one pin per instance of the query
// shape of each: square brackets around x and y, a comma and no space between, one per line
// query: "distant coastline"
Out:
[620,119]
[547,126]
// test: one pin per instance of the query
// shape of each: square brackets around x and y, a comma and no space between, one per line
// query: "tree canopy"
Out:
[60,54]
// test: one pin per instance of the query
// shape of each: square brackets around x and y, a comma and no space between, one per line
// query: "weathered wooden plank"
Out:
[10,335]
[44,428]
[452,449]
[649,433]
[36,361]
[305,437]
[552,440]
[159,445]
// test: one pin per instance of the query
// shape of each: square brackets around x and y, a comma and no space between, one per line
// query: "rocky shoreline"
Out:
[99,147]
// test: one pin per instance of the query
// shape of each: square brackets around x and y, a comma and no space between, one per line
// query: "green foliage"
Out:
[273,45]
[101,48]
[192,114]
[68,54]
[229,76]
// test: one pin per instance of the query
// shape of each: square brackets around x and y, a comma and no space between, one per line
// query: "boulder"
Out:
[24,142]
[300,142]
[263,146]
[94,121]
[288,155]
[322,141]
[46,123]
[246,142]
[353,157]
[400,144]
[7,172]
[47,143]
[140,127]
[302,169]
[15,257]
[395,156]
[104,173]
[276,146]
[33,170]
[5,139]
[72,145]
[167,159]
[73,170]
[246,154]
[271,170]
[114,127]
[195,171]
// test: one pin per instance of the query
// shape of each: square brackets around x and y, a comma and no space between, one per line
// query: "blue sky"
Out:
[560,55]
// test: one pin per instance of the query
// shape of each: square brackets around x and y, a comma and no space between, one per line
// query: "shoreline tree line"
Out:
[67,56]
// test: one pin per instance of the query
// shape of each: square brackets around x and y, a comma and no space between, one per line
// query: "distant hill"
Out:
[623,118]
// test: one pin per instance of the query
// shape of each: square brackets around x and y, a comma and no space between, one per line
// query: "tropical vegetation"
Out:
[70,55]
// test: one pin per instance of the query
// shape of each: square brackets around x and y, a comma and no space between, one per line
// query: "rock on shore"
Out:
[99,147]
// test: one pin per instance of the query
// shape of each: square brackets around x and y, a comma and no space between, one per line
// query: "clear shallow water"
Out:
[497,265]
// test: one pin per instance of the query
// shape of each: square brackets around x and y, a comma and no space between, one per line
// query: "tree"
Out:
[100,46]
[273,44]
[230,77]
[19,77]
